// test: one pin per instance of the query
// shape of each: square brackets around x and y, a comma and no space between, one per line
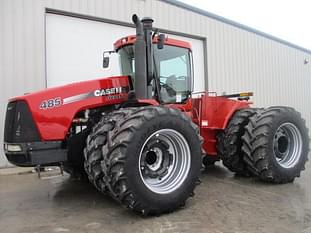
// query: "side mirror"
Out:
[106,58]
[105,62]
[161,40]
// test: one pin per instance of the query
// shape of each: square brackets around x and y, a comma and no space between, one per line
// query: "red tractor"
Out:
[141,137]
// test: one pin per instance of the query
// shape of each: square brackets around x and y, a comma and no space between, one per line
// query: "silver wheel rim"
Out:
[164,161]
[287,145]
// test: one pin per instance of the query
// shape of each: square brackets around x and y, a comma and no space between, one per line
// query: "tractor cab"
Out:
[172,68]
[169,72]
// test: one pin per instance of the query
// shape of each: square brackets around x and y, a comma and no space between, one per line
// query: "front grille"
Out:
[19,125]
[9,121]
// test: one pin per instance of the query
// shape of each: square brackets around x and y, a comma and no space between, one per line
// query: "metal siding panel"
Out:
[39,76]
[29,47]
[23,49]
[18,51]
[212,57]
[173,18]
[7,65]
[3,79]
[75,6]
[220,53]
[84,6]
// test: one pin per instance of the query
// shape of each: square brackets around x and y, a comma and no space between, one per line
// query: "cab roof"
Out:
[129,40]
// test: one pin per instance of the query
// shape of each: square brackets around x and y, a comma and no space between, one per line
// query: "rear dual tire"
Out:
[271,144]
[276,144]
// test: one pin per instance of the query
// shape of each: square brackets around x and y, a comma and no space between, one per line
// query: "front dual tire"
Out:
[150,158]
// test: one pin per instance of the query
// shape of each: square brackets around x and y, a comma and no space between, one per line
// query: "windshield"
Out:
[171,68]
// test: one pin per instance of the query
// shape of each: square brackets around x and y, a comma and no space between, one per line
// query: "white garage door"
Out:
[74,49]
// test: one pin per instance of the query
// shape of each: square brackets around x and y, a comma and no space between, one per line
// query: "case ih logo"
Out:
[111,93]
[108,91]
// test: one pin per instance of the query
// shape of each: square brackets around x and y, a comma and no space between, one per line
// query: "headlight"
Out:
[12,148]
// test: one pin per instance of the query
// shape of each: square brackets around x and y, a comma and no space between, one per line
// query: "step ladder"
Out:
[46,175]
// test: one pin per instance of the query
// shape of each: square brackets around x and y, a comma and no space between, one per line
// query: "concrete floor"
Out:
[223,203]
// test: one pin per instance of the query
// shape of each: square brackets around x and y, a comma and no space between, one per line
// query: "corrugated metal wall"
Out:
[237,59]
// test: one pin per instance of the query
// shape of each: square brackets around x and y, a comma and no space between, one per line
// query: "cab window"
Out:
[173,68]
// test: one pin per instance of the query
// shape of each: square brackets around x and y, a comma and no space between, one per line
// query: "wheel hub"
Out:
[281,143]
[153,157]
[287,145]
[164,161]
[156,159]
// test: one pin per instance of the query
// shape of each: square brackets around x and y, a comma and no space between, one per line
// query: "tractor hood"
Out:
[53,109]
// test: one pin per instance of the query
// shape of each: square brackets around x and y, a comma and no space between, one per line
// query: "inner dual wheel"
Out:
[147,158]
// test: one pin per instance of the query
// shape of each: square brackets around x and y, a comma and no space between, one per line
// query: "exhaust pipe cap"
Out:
[135,18]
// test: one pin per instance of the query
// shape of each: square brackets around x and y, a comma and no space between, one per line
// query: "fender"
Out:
[53,109]
[212,114]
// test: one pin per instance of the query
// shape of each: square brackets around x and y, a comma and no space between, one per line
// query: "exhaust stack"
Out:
[140,60]
[143,57]
[147,27]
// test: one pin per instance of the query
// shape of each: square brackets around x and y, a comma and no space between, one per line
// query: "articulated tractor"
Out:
[143,137]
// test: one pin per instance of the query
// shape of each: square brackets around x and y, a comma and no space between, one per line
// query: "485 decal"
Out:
[51,103]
